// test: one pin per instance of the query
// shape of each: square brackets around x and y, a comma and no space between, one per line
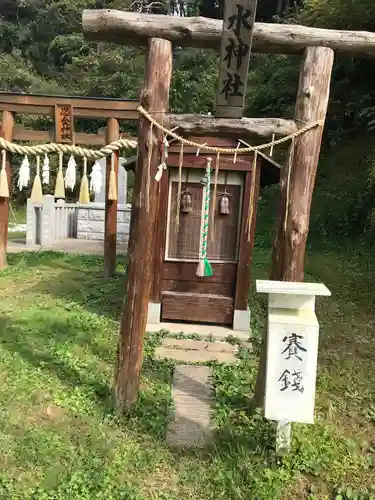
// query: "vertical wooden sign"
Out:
[239,17]
[64,125]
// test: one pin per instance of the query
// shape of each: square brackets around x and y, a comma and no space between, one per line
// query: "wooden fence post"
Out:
[297,182]
[154,98]
[7,133]
[110,224]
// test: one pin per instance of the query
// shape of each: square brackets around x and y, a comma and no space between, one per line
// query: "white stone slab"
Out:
[303,317]
[194,356]
[292,288]
[199,345]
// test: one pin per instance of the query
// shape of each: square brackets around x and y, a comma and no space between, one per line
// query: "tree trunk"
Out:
[130,28]
[142,227]
[279,8]
[297,183]
[110,224]
[6,133]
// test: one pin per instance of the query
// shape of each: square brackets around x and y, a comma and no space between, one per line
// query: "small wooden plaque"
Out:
[64,124]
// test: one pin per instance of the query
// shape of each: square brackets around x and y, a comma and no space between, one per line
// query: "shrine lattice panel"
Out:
[183,244]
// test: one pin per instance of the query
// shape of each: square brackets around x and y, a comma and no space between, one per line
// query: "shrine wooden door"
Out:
[186,296]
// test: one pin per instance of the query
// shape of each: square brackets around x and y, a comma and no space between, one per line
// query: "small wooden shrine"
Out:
[178,293]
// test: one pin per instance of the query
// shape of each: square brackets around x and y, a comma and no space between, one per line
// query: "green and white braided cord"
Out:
[204,267]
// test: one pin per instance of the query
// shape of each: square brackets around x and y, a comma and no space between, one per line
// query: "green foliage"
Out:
[343,201]
[194,81]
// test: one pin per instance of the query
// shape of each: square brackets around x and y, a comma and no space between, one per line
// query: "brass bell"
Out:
[224,205]
[186,202]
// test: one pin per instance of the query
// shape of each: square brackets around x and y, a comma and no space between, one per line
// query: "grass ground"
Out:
[60,440]
[17,216]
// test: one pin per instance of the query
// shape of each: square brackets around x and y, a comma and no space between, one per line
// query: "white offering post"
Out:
[292,353]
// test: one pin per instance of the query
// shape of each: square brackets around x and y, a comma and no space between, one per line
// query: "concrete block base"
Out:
[154,313]
[241,320]
[240,330]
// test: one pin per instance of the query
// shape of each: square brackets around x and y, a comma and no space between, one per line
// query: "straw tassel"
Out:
[213,205]
[45,170]
[84,194]
[180,162]
[59,187]
[37,193]
[24,174]
[204,267]
[150,145]
[252,194]
[4,186]
[112,186]
[290,163]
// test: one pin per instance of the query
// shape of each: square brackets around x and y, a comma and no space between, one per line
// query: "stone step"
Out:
[204,331]
[194,356]
[198,345]
[193,400]
[246,345]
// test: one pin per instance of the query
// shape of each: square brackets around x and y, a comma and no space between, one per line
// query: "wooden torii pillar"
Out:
[6,133]
[298,181]
[154,97]
[110,221]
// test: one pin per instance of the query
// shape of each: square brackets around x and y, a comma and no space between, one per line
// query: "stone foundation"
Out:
[90,222]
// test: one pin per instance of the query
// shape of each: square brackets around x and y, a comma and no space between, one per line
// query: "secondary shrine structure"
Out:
[64,110]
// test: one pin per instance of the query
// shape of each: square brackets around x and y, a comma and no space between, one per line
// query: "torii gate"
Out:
[233,38]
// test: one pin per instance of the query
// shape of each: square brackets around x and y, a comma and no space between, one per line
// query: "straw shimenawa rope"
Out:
[290,163]
[212,149]
[96,154]
[150,145]
[91,154]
